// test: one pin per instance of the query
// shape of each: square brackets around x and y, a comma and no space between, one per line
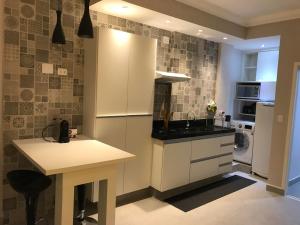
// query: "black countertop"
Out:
[177,130]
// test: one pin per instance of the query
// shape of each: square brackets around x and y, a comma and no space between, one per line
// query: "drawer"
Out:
[225,169]
[205,148]
[226,144]
[204,169]
[226,159]
[225,140]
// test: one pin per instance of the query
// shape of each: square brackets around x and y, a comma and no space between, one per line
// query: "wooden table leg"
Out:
[107,201]
[64,201]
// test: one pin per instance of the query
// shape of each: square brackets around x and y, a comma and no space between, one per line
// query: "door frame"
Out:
[290,128]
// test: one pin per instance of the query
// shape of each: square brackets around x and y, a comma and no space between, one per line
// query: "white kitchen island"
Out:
[80,161]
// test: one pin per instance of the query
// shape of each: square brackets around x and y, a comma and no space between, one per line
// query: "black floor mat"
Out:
[209,193]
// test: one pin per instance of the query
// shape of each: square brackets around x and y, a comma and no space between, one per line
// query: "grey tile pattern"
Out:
[32,99]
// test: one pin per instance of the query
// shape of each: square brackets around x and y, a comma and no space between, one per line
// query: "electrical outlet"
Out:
[280,118]
[62,72]
[166,40]
[47,68]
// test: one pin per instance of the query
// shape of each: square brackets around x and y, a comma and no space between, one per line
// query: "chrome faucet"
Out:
[187,119]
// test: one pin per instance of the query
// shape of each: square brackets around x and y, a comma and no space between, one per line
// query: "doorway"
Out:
[293,178]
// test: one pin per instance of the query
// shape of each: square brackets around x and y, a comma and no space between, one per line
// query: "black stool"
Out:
[30,184]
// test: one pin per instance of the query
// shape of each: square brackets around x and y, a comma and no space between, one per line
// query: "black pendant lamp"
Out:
[58,36]
[86,27]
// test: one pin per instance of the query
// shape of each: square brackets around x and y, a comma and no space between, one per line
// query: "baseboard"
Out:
[134,196]
[275,189]
[294,181]
[189,187]
[241,167]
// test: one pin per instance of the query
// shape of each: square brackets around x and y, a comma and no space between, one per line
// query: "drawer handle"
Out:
[227,144]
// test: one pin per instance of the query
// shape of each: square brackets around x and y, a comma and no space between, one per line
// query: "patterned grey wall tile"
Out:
[11,37]
[68,21]
[11,108]
[41,89]
[26,95]
[42,55]
[27,81]
[27,11]
[54,83]
[27,60]
[26,108]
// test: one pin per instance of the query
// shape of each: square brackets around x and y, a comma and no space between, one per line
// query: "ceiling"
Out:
[249,12]
[136,13]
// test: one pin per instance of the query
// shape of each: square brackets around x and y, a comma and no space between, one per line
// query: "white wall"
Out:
[295,154]
[267,65]
[229,72]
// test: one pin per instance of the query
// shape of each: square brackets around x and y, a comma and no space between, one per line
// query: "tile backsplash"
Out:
[32,99]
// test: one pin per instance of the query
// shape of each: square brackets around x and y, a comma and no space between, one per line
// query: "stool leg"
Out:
[31,208]
[81,192]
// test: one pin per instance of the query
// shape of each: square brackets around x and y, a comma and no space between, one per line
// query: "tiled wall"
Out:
[33,99]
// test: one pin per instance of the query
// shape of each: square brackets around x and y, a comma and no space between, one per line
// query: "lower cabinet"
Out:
[131,134]
[204,169]
[179,164]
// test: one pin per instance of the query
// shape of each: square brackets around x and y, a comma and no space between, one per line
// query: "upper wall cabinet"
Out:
[260,66]
[113,60]
[141,75]
[125,80]
[267,65]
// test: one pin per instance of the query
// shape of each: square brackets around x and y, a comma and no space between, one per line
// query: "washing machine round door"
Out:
[241,142]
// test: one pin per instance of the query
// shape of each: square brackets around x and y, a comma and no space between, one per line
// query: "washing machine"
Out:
[244,141]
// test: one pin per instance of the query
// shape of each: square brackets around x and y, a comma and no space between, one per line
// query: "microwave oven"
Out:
[248,90]
[262,91]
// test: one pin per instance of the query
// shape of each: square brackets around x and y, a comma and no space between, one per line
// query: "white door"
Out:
[176,165]
[112,131]
[142,65]
[113,62]
[137,172]
[262,139]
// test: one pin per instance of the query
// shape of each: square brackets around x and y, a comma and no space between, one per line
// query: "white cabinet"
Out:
[137,172]
[118,99]
[267,65]
[141,75]
[179,164]
[171,165]
[204,169]
[113,60]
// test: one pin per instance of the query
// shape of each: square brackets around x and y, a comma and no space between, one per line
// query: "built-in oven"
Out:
[248,90]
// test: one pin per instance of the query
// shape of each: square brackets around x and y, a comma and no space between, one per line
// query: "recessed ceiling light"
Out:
[200,31]
[225,38]
[168,21]
[262,46]
[124,7]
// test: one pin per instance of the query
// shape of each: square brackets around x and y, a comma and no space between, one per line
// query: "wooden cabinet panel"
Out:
[226,144]
[137,172]
[176,165]
[112,131]
[113,54]
[142,66]
[226,159]
[205,148]
[204,169]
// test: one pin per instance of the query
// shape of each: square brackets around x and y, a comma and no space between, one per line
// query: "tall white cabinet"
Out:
[118,100]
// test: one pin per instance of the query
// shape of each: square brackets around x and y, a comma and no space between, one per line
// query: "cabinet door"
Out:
[112,72]
[112,131]
[137,172]
[142,65]
[267,65]
[205,148]
[176,165]
[204,169]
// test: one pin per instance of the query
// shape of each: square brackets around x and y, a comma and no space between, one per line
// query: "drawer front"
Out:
[205,148]
[225,169]
[204,169]
[226,159]
[226,144]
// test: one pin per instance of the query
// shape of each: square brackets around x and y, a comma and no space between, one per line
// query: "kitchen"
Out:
[119,109]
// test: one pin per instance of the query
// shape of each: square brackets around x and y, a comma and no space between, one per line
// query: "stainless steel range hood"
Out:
[167,77]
